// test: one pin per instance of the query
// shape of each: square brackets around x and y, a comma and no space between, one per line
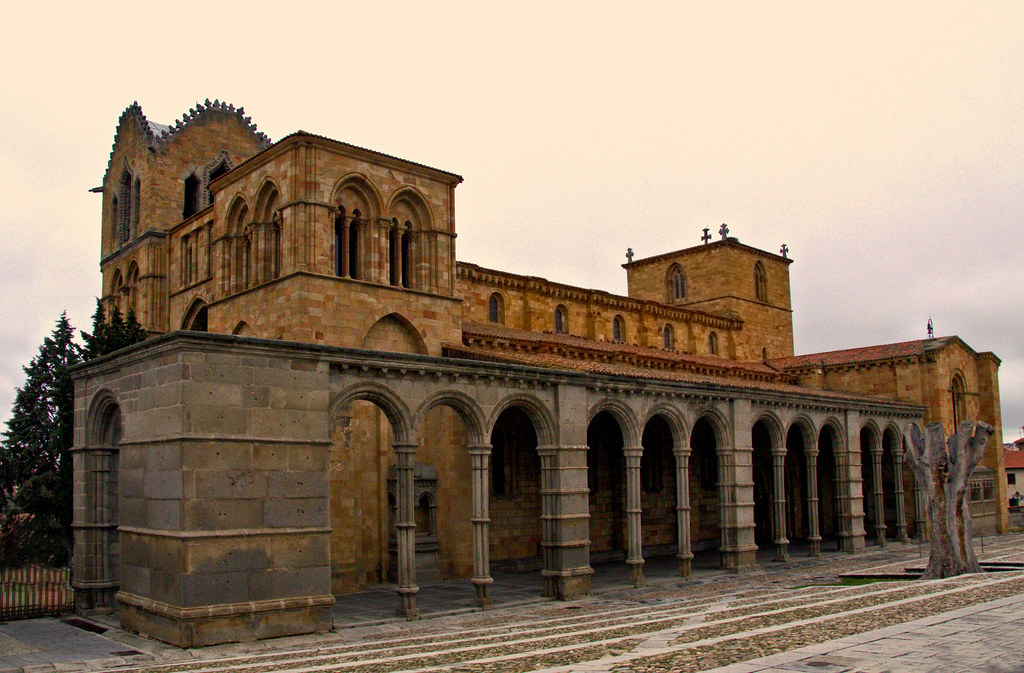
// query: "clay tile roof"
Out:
[1013,460]
[860,355]
[490,342]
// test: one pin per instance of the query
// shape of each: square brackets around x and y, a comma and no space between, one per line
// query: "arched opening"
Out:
[394,333]
[761,439]
[407,265]
[894,485]
[871,473]
[797,519]
[495,309]
[668,339]
[97,564]
[515,507]
[561,320]
[676,284]
[828,489]
[713,343]
[607,482]
[243,329]
[195,317]
[618,329]
[705,515]
[958,398]
[760,282]
[658,490]
[191,201]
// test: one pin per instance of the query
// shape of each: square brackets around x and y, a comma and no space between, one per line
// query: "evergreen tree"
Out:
[117,333]
[35,465]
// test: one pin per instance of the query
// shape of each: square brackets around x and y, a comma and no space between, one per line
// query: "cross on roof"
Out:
[629,255]
[707,235]
[784,250]
[724,231]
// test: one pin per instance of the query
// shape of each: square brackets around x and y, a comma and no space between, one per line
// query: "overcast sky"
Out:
[883,142]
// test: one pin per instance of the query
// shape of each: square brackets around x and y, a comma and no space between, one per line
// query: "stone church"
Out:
[331,400]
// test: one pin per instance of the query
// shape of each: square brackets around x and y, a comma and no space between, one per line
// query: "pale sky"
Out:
[883,142]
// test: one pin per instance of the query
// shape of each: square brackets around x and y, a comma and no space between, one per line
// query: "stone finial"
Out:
[629,255]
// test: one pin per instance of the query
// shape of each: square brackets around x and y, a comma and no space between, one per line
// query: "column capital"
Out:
[405,447]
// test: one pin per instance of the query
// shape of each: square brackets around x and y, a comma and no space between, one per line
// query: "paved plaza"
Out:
[798,616]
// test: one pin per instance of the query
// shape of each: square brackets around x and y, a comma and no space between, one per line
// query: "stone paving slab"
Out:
[49,645]
[901,647]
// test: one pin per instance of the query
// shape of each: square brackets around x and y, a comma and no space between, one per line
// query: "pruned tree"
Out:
[943,470]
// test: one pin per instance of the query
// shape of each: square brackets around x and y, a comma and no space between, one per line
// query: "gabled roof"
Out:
[158,135]
[878,353]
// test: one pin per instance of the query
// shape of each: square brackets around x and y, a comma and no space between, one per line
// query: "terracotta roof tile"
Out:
[1013,460]
[866,354]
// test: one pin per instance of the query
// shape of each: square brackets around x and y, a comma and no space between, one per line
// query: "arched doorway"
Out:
[607,483]
[761,440]
[515,506]
[871,486]
[658,490]
[828,489]
[797,516]
[705,517]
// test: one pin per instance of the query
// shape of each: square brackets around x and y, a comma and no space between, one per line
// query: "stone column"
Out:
[383,259]
[634,545]
[779,504]
[685,554]
[813,513]
[547,522]
[405,456]
[480,455]
[901,514]
[878,496]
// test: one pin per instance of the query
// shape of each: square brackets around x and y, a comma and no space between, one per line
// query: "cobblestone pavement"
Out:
[782,617]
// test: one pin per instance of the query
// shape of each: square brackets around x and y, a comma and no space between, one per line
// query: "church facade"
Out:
[330,399]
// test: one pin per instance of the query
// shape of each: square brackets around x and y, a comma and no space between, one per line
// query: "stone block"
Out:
[303,551]
[228,554]
[202,588]
[243,484]
[295,512]
[163,514]
[217,514]
[223,455]
[163,485]
[289,583]
[298,485]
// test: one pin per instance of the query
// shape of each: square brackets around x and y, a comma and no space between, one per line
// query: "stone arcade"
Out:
[331,400]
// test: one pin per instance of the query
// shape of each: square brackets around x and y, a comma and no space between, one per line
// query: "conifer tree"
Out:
[35,465]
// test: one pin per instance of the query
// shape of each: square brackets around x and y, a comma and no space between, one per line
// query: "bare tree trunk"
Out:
[943,470]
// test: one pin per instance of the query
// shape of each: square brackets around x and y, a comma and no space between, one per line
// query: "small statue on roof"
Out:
[629,255]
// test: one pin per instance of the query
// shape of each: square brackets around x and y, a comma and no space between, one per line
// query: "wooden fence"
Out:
[35,591]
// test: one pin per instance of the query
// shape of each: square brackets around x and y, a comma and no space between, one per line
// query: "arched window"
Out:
[354,234]
[764,354]
[494,309]
[123,213]
[713,343]
[220,168]
[958,392]
[618,329]
[760,282]
[192,201]
[668,338]
[133,228]
[561,320]
[406,249]
[676,284]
